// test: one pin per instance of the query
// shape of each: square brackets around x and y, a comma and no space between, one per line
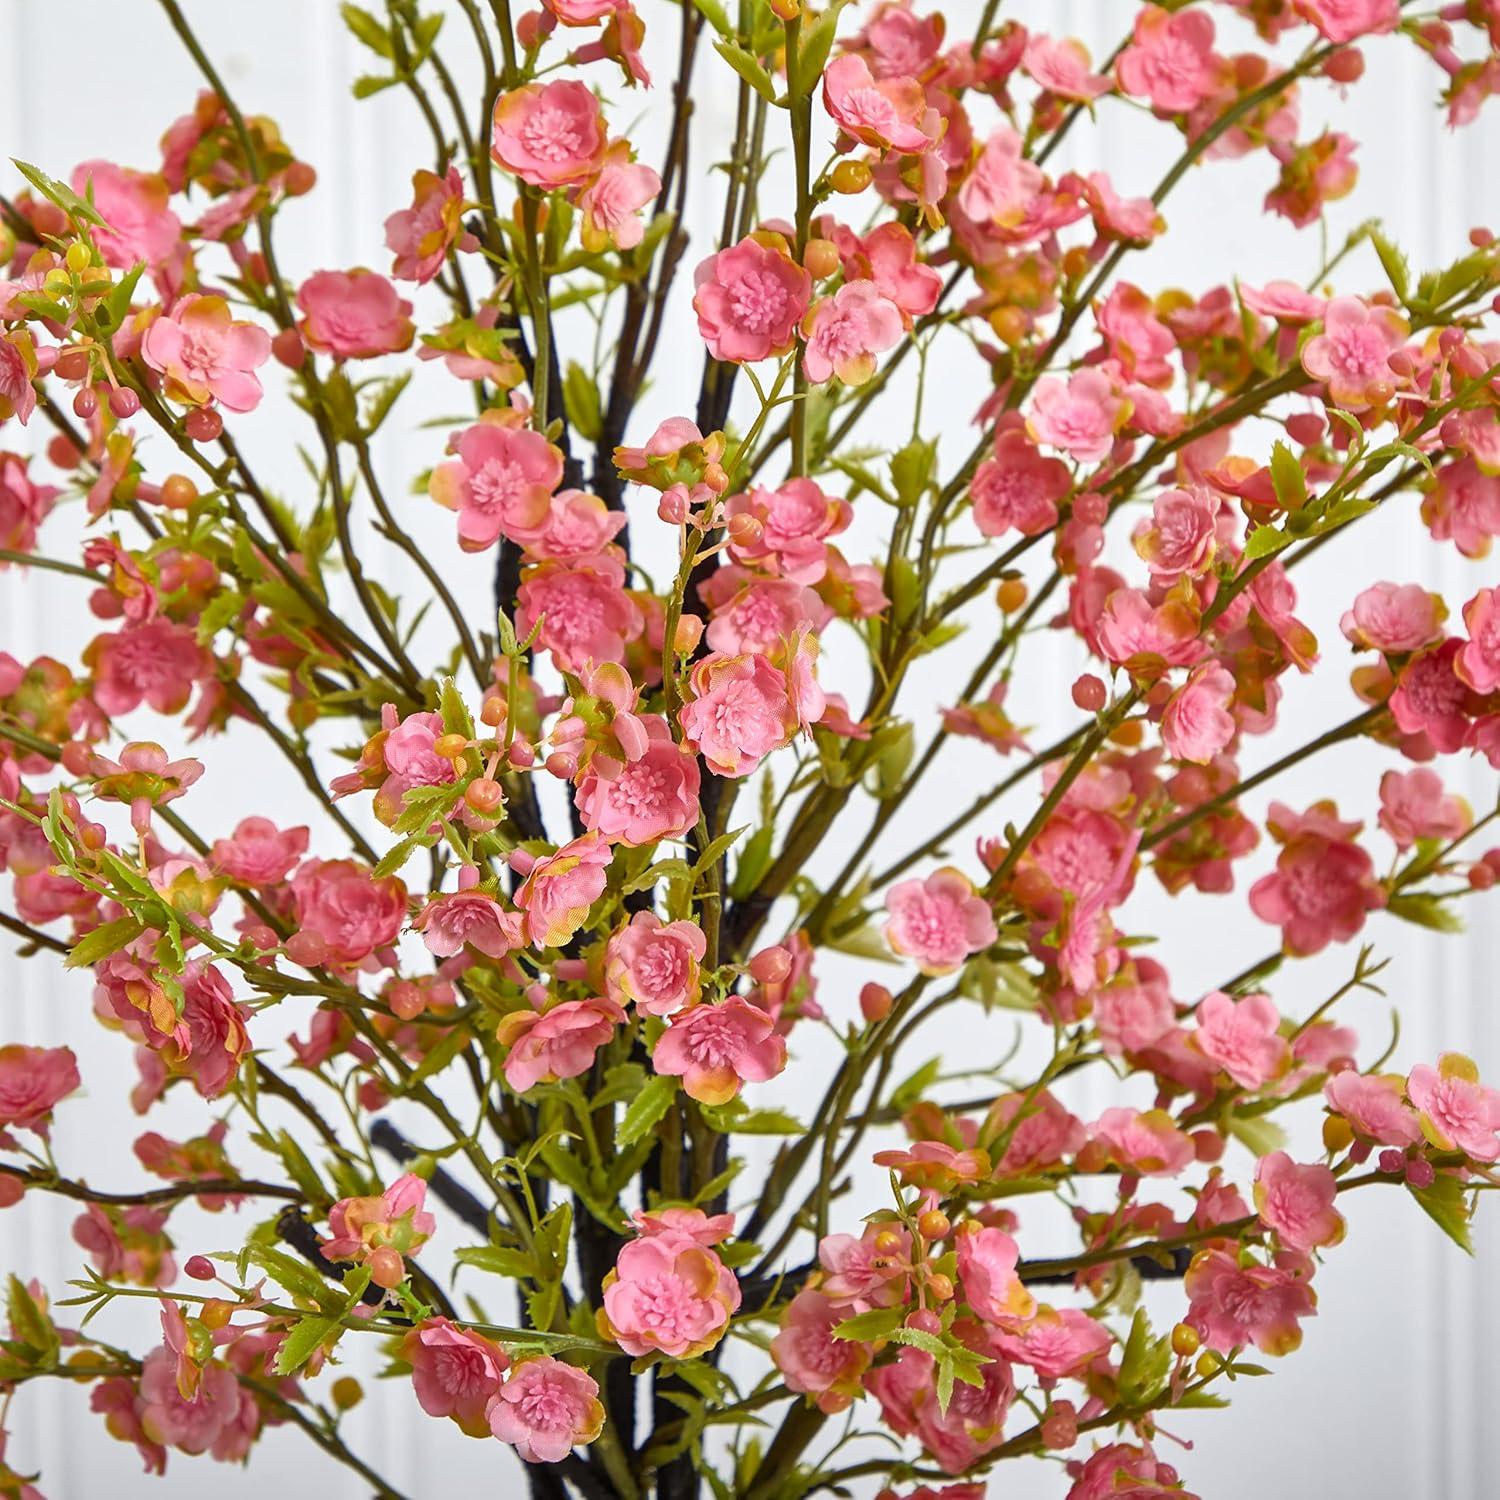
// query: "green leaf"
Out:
[1445,1204]
[102,941]
[456,716]
[117,304]
[714,13]
[818,42]
[714,851]
[1265,541]
[646,1111]
[80,210]
[29,1322]
[1260,1134]
[754,861]
[1393,262]
[749,68]
[1287,478]
[911,470]
[1425,910]
[290,1274]
[368,30]
[397,855]
[514,1265]
[868,1327]
[581,401]
[367,84]
[1145,1363]
[302,1342]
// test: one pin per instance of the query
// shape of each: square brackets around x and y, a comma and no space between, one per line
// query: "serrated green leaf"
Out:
[646,1111]
[105,939]
[749,68]
[869,1327]
[1287,478]
[302,1342]
[515,1265]
[1446,1204]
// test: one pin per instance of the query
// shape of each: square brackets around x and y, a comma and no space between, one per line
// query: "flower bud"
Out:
[450,746]
[483,795]
[123,402]
[851,177]
[387,1268]
[347,1392]
[924,1320]
[203,424]
[1185,1341]
[306,948]
[686,634]
[820,259]
[289,349]
[406,1000]
[85,403]
[875,1002]
[1011,594]
[745,530]
[216,1313]
[1089,693]
[200,1268]
[12,1189]
[178,492]
[770,965]
[934,1224]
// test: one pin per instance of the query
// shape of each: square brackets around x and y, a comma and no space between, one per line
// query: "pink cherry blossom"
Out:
[561,888]
[846,331]
[668,1294]
[888,113]
[1394,618]
[752,613]
[1463,506]
[259,853]
[1374,1104]
[1232,1305]
[652,796]
[1135,1010]
[585,615]
[500,482]
[1478,661]
[1147,1143]
[1431,698]
[1017,487]
[750,299]
[796,520]
[1413,805]
[1297,1202]
[811,1360]
[1056,1343]
[32,1082]
[1352,354]
[546,1409]
[139,225]
[611,204]
[654,964]
[1128,1472]
[715,1049]
[155,663]
[868,1270]
[559,1043]
[455,1372]
[1002,185]
[742,708]
[421,236]
[353,913]
[18,369]
[196,1424]
[550,135]
[1241,1037]
[938,921]
[1171,60]
[1197,724]
[471,919]
[1348,20]
[987,1260]
[205,355]
[381,1230]
[1061,65]
[1457,1112]
[1181,536]
[705,1229]
[1079,414]
[1285,301]
[1324,882]
[354,314]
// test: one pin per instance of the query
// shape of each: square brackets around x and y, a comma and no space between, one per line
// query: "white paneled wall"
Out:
[1395,1388]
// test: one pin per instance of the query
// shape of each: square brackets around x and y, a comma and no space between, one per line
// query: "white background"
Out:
[1392,1391]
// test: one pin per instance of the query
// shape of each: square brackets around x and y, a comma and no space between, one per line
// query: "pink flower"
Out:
[1079,415]
[1197,723]
[752,613]
[1395,618]
[811,1360]
[143,778]
[471,919]
[1414,806]
[846,331]
[17,370]
[1324,883]
[1061,66]
[1432,699]
[551,135]
[1171,60]
[32,1082]
[127,1244]
[205,355]
[138,223]
[1135,1010]
[1182,535]
[1017,488]
[1241,1037]
[652,796]
[938,921]
[796,521]
[888,113]
[668,1294]
[193,1425]
[750,299]
[259,853]
[1297,1202]
[155,663]
[1374,1104]
[715,1049]
[1348,20]
[1135,336]
[1056,1343]
[654,964]
[1126,1471]
[611,204]
[1146,1143]
[1232,1306]
[742,708]
[560,889]
[1456,1111]
[421,236]
[24,504]
[1002,185]
[1352,354]
[1478,661]
[408,754]
[381,1230]
[546,1409]
[872,1270]
[354,314]
[351,911]
[705,1229]
[559,1043]
[1285,301]
[585,614]
[500,482]
[987,1260]
[455,1372]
